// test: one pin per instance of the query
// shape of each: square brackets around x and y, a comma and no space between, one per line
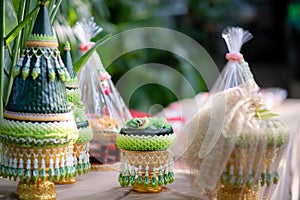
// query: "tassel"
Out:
[125,179]
[28,170]
[62,169]
[73,163]
[86,163]
[59,70]
[21,169]
[224,178]
[51,71]
[80,166]
[61,63]
[64,74]
[56,170]
[68,167]
[3,168]
[239,180]
[10,168]
[25,70]
[51,171]
[35,172]
[263,176]
[14,170]
[269,176]
[166,177]
[160,176]
[43,169]
[132,176]
[120,177]
[147,179]
[249,182]
[17,67]
[231,179]
[154,179]
[140,178]
[276,177]
[171,173]
[36,70]
[67,75]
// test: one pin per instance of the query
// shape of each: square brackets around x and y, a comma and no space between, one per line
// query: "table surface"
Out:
[104,184]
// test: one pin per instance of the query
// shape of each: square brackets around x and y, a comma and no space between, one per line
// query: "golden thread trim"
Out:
[38,117]
[50,44]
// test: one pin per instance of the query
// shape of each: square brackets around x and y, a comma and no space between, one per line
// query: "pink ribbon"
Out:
[84,47]
[104,76]
[234,57]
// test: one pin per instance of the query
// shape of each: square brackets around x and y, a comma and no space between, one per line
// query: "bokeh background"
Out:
[272,54]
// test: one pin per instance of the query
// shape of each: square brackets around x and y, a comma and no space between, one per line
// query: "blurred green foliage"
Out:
[202,20]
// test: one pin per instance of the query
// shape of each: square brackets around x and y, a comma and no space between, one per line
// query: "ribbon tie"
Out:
[84,47]
[234,57]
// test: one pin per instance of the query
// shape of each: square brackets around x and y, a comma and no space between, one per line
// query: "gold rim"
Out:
[49,44]
[38,117]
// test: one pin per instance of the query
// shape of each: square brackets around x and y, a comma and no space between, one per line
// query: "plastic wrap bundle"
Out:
[237,146]
[105,107]
[103,101]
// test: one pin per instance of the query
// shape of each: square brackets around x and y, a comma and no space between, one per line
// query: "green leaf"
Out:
[86,56]
[263,113]
[268,115]
[54,10]
[19,28]
[10,16]
[16,4]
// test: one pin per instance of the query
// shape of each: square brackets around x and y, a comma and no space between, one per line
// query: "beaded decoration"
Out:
[55,163]
[138,166]
[37,54]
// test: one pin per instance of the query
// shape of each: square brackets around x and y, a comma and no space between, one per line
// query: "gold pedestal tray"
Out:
[36,191]
[147,189]
[238,194]
[70,181]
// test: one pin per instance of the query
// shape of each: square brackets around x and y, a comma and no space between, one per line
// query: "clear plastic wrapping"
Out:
[235,144]
[105,107]
[102,100]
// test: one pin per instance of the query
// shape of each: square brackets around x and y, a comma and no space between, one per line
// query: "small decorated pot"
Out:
[146,163]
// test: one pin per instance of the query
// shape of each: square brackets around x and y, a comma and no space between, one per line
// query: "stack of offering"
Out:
[38,130]
[238,144]
[146,163]
[81,146]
